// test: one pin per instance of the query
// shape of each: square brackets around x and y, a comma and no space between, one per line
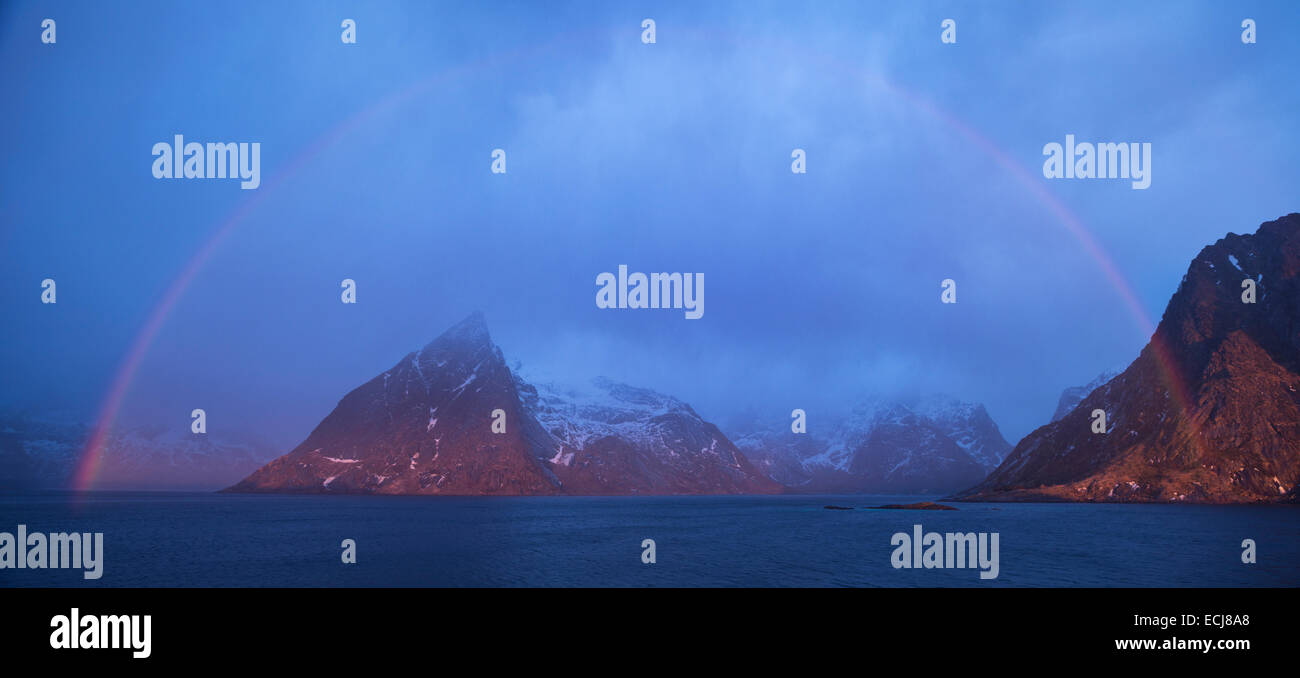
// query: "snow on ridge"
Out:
[578,414]
[473,375]
[837,456]
[945,408]
[416,359]
[336,460]
[837,435]
[907,459]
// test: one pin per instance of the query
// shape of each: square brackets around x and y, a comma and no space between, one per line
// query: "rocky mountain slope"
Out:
[426,426]
[1210,409]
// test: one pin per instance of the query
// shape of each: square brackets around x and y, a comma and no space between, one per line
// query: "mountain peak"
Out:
[452,418]
[1286,226]
[472,329]
[1210,409]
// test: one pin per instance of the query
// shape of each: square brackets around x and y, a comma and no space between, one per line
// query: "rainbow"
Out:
[91,456]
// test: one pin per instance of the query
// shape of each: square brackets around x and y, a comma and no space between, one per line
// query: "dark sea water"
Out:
[211,540]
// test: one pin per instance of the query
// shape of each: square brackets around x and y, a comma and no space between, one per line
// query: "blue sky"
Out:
[820,288]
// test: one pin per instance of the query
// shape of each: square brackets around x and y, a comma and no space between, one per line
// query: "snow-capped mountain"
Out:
[935,444]
[43,452]
[453,418]
[968,425]
[1210,409]
[1072,396]
[609,437]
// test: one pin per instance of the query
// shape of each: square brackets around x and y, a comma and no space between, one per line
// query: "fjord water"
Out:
[213,540]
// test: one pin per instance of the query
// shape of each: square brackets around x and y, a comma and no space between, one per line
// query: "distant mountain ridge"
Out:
[1210,409]
[1072,396]
[43,453]
[931,445]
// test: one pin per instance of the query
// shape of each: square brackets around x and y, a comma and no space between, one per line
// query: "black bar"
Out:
[489,628]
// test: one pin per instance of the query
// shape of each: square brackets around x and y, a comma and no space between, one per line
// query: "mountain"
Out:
[1210,409]
[425,426]
[932,445]
[42,453]
[1072,396]
[968,425]
[611,438]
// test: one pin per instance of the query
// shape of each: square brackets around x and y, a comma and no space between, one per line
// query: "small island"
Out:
[921,506]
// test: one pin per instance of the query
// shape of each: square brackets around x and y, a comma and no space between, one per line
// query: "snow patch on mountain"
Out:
[576,415]
[934,441]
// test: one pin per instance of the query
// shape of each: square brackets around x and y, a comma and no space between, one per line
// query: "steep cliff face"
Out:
[423,426]
[1210,409]
[426,426]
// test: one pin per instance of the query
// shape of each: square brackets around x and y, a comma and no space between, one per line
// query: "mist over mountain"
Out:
[42,452]
[925,445]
